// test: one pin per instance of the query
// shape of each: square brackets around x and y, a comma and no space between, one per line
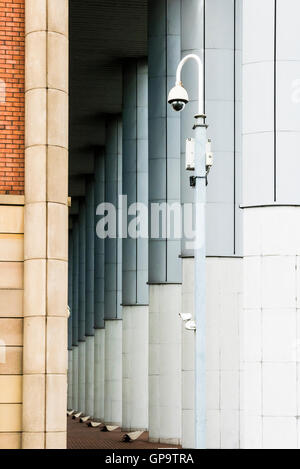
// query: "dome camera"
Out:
[178,98]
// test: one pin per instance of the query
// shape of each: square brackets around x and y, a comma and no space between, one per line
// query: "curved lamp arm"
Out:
[200,78]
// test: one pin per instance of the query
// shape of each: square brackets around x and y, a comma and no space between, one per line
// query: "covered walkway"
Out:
[80,436]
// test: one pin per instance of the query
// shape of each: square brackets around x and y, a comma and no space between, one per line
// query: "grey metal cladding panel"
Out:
[110,250]
[157,66]
[219,66]
[157,138]
[110,277]
[157,97]
[142,123]
[173,15]
[142,86]
[221,179]
[142,152]
[258,163]
[142,287]
[142,188]
[220,117]
[70,291]
[174,266]
[129,254]
[130,124]
[220,24]
[157,260]
[173,186]
[142,251]
[129,156]
[220,229]
[173,141]
[110,305]
[173,55]
[191,21]
[157,178]
[129,287]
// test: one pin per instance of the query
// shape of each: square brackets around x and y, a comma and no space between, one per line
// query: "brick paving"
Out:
[80,436]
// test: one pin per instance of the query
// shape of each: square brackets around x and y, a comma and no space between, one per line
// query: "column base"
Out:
[89,375]
[81,376]
[135,368]
[165,364]
[75,401]
[113,372]
[70,379]
[99,374]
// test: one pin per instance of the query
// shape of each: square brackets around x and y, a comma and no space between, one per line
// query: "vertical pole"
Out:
[200,284]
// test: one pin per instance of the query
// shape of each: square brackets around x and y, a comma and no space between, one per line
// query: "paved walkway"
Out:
[80,436]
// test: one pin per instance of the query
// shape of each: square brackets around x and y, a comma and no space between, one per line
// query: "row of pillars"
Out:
[125,294]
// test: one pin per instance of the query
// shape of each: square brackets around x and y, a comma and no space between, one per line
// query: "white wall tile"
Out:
[279,389]
[279,433]
[279,335]
[278,282]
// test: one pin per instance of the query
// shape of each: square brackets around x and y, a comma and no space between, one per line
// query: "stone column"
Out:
[113,279]
[164,262]
[70,326]
[135,296]
[75,321]
[90,282]
[271,140]
[82,307]
[46,225]
[99,293]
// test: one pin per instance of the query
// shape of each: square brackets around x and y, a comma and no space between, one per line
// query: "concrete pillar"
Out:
[164,262]
[135,248]
[113,279]
[99,293]
[46,225]
[70,303]
[212,31]
[75,321]
[90,282]
[271,138]
[82,307]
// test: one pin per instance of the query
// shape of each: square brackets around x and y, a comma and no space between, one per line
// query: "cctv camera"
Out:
[178,98]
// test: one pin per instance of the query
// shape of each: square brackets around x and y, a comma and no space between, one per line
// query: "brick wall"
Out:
[12,110]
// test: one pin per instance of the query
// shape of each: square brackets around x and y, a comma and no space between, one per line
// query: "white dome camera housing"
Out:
[178,98]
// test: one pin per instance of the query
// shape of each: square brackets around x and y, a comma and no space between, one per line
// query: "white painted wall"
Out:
[113,372]
[165,364]
[135,367]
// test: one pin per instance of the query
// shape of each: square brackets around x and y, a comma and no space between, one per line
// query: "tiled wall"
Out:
[11,324]
[224,303]
[270,354]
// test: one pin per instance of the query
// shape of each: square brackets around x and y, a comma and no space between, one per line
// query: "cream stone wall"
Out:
[46,225]
[11,320]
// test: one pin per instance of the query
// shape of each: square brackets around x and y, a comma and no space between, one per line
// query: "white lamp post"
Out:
[178,98]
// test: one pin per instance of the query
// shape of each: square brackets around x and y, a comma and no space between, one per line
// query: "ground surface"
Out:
[80,436]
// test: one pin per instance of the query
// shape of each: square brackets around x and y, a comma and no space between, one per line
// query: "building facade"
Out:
[84,117]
